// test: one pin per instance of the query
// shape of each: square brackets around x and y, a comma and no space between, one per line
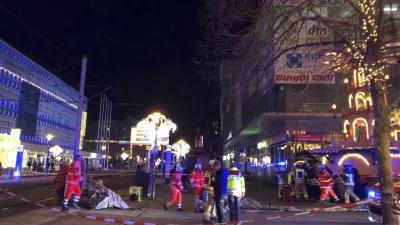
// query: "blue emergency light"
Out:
[371,194]
[281,163]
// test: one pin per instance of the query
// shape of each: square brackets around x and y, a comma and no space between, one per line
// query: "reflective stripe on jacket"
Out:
[300,174]
[74,173]
[325,180]
[197,178]
[236,185]
[176,182]
[349,179]
[207,177]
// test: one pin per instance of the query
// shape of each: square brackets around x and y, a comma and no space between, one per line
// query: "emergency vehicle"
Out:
[374,207]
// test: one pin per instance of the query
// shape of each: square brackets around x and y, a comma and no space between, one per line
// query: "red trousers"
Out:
[325,192]
[73,188]
[198,190]
[175,196]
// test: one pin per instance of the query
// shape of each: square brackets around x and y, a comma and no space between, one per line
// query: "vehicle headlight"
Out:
[371,194]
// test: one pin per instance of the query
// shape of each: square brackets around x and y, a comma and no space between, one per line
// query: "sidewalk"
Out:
[268,195]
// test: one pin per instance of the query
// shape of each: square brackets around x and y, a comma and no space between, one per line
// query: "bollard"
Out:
[135,193]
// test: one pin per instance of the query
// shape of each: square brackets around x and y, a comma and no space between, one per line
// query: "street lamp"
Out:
[181,148]
[49,137]
[334,110]
[103,148]
[124,156]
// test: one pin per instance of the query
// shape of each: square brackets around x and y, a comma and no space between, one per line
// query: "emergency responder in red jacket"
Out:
[60,180]
[176,188]
[325,181]
[197,182]
[73,186]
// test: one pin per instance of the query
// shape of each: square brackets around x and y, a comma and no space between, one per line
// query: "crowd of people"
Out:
[216,190]
[305,182]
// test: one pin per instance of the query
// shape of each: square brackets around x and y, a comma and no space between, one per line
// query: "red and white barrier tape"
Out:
[43,173]
[118,221]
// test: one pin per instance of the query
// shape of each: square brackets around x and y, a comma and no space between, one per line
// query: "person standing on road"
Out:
[217,184]
[197,182]
[236,190]
[208,192]
[60,180]
[72,183]
[176,189]
[300,182]
[348,177]
[325,181]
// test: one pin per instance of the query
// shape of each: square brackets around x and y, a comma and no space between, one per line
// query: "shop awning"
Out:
[317,122]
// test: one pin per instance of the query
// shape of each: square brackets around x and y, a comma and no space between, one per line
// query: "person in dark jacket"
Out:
[218,185]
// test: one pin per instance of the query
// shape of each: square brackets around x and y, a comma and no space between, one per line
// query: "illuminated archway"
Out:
[345,124]
[359,122]
[353,155]
[298,162]
[361,101]
[350,100]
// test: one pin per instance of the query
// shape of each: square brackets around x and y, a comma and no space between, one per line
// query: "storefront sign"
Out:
[308,138]
[338,137]
[141,136]
[304,79]
[277,139]
[262,144]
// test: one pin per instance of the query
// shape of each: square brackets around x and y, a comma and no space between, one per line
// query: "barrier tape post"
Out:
[118,221]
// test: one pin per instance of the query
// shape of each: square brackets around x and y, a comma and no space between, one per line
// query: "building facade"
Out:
[275,104]
[38,103]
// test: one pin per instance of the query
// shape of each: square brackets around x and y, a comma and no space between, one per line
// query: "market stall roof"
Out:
[333,151]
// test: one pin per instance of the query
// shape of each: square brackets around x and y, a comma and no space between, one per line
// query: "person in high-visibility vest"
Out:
[300,182]
[210,211]
[236,190]
[348,177]
[197,182]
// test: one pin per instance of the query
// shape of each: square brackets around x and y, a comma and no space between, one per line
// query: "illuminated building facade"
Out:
[356,146]
[37,102]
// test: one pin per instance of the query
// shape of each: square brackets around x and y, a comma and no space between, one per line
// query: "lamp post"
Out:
[103,148]
[334,110]
[49,137]
[155,124]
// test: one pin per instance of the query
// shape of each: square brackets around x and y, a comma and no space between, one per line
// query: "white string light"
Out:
[42,89]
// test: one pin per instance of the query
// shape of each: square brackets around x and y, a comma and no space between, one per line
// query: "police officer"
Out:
[348,177]
[300,182]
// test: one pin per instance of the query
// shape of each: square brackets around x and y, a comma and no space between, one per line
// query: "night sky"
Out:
[141,48]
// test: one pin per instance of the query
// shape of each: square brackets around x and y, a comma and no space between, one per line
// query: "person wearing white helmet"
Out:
[197,182]
[348,177]
[176,189]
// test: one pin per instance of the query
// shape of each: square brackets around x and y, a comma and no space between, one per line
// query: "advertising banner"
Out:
[308,138]
[301,67]
[141,136]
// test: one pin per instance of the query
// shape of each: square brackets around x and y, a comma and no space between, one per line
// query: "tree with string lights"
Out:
[365,38]
[373,50]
